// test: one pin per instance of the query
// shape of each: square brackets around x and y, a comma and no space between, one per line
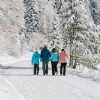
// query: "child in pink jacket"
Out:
[63,60]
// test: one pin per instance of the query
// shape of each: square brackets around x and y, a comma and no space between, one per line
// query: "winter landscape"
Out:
[26,26]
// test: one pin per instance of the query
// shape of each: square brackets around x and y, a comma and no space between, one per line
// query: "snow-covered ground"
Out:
[8,91]
[79,84]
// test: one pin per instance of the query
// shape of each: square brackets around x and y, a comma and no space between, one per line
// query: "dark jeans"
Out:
[63,68]
[45,67]
[54,67]
[36,69]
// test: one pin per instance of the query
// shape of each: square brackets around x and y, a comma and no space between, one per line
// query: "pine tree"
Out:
[11,21]
[95,11]
[31,16]
[77,26]
[57,32]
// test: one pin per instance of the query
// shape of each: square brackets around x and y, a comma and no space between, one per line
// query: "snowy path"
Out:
[8,91]
[50,87]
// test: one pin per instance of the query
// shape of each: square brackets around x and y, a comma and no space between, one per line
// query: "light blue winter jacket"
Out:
[54,57]
[36,58]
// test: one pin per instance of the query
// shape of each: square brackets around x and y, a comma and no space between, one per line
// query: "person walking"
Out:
[54,61]
[63,60]
[36,60]
[45,55]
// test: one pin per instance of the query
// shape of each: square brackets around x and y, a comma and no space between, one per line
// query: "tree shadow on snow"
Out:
[19,68]
[30,75]
[2,67]
[6,69]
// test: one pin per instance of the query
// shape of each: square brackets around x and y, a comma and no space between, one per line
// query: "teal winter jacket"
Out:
[54,57]
[36,58]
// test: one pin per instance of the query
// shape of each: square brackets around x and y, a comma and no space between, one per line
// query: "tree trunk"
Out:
[71,52]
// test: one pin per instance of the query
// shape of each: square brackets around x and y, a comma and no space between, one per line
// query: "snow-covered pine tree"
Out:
[57,32]
[32,16]
[78,27]
[95,10]
[11,22]
[32,21]
[56,36]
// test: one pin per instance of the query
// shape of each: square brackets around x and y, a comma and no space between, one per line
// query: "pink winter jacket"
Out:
[63,57]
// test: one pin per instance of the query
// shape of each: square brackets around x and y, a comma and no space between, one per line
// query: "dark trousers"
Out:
[36,69]
[54,67]
[45,67]
[63,68]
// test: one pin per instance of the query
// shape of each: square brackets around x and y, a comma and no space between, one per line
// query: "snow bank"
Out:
[84,72]
[6,59]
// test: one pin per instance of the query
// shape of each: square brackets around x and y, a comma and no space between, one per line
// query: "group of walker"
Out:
[52,56]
